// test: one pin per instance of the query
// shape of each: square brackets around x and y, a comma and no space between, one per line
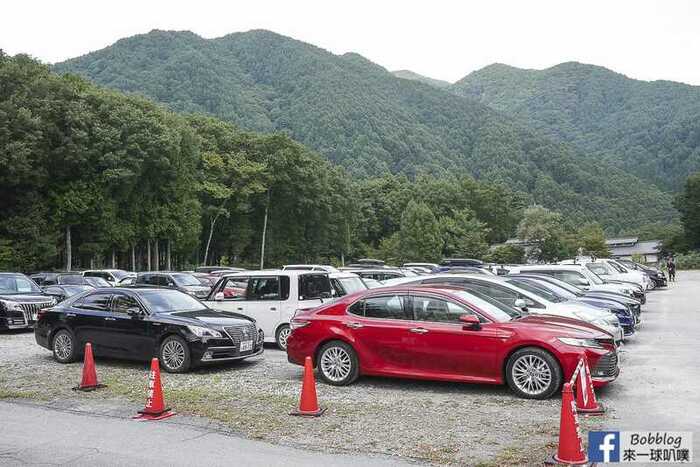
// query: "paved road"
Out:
[33,435]
[658,388]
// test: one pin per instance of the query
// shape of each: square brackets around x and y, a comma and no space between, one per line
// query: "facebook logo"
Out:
[604,446]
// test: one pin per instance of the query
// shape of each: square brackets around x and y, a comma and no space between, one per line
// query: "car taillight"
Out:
[299,323]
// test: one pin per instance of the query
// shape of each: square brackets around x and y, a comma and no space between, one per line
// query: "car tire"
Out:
[533,373]
[174,355]
[64,346]
[338,364]
[281,336]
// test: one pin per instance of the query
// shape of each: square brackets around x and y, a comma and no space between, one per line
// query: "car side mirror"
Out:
[520,303]
[470,322]
[219,297]
[134,311]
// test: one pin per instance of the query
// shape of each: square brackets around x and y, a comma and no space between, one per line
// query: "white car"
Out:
[271,297]
[309,267]
[610,272]
[345,283]
[499,289]
[116,277]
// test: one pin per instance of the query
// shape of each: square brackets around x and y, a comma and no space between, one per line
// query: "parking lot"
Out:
[418,421]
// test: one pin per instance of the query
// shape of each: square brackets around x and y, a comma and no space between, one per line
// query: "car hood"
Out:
[206,317]
[559,326]
[26,298]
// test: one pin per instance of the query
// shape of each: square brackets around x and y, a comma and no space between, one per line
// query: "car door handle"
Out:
[272,308]
[418,330]
[70,315]
[354,325]
[110,319]
[239,308]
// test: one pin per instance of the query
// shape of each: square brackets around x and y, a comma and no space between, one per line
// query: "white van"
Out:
[271,297]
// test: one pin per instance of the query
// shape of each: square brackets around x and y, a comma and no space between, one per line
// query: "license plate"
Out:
[246,346]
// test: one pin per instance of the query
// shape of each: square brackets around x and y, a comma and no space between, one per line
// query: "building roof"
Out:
[650,247]
[621,241]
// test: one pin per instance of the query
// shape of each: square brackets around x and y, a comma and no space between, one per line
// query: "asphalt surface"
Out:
[33,435]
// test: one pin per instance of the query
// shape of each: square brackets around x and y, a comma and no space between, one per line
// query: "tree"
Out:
[591,241]
[688,203]
[463,235]
[506,254]
[542,228]
[419,235]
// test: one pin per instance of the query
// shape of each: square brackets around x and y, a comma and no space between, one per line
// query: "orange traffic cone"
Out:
[308,403]
[570,450]
[89,379]
[155,404]
[586,402]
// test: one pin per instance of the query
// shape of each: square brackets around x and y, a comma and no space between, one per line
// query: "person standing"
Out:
[671,269]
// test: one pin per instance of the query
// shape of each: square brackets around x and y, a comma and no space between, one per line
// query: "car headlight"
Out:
[9,305]
[201,331]
[576,342]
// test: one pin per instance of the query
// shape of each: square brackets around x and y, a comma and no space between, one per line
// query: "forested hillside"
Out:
[114,177]
[651,129]
[362,117]
[408,74]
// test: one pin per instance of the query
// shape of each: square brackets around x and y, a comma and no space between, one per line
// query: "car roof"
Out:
[274,272]
[342,275]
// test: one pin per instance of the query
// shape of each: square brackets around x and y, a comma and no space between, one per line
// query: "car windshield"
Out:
[97,282]
[70,279]
[598,268]
[164,301]
[17,285]
[538,290]
[617,267]
[185,279]
[591,276]
[352,284]
[561,291]
[496,310]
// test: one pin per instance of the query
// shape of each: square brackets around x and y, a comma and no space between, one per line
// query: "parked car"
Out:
[205,278]
[582,277]
[612,273]
[309,267]
[140,323]
[657,276]
[371,283]
[531,301]
[271,297]
[345,283]
[625,316]
[49,278]
[62,292]
[447,334]
[430,267]
[115,277]
[368,263]
[380,275]
[173,280]
[217,269]
[20,301]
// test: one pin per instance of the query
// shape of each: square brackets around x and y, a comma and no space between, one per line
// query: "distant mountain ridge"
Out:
[408,74]
[650,128]
[364,118]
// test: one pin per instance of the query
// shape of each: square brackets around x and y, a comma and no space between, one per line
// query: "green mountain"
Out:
[362,117]
[408,74]
[651,129]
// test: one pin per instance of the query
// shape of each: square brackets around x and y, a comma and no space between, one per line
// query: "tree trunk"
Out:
[148,255]
[168,263]
[69,249]
[156,259]
[264,232]
[114,258]
[133,257]
[211,233]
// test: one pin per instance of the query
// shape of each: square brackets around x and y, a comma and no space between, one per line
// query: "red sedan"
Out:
[447,334]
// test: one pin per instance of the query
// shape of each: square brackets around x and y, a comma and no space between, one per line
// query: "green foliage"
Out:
[591,241]
[543,229]
[506,254]
[689,260]
[688,203]
[647,128]
[419,235]
[368,121]
[463,236]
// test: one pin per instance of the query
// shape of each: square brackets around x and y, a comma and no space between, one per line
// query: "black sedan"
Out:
[140,323]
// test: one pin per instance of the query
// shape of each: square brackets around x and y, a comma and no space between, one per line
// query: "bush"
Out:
[689,260]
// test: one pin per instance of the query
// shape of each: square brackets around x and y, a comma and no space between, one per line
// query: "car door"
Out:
[450,349]
[263,301]
[126,334]
[381,327]
[86,319]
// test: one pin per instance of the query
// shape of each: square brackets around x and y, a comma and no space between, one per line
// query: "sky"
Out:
[643,39]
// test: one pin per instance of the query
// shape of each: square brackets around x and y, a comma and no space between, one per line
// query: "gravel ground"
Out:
[425,422]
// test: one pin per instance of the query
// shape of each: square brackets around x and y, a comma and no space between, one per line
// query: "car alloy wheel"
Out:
[282,336]
[533,373]
[338,364]
[174,355]
[64,347]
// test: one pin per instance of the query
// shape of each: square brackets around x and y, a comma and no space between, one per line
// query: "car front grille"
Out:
[246,332]
[606,366]
[34,307]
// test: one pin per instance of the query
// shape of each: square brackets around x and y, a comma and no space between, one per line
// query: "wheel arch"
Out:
[338,338]
[529,345]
